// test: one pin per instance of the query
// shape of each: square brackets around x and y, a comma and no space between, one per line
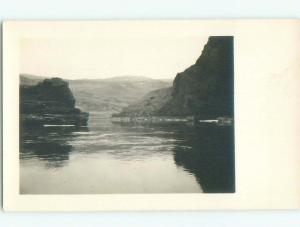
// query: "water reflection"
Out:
[127,159]
[49,145]
[209,154]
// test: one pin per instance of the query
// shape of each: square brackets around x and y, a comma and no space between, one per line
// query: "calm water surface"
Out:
[114,158]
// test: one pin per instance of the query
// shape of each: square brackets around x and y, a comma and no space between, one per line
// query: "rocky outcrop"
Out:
[205,89]
[49,102]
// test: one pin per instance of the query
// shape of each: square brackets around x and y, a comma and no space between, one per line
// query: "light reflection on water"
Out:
[113,158]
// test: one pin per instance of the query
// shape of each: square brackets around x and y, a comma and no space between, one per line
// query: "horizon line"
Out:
[106,78]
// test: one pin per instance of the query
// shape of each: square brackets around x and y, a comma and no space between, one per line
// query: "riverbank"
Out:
[222,121]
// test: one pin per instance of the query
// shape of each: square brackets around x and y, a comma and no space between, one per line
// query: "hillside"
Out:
[30,80]
[106,95]
[150,103]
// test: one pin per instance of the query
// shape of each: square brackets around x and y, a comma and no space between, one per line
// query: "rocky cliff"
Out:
[49,102]
[205,89]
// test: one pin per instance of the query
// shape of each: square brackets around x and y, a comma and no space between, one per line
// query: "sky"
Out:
[91,58]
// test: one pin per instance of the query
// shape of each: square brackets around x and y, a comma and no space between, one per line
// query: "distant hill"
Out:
[30,80]
[204,89]
[106,95]
[150,103]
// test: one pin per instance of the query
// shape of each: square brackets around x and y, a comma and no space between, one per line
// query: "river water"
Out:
[117,158]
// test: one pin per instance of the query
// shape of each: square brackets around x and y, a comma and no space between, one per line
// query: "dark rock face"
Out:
[49,102]
[205,89]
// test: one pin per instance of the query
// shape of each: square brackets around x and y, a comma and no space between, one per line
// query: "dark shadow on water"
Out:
[210,157]
[49,145]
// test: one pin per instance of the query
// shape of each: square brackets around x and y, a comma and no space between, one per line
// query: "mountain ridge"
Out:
[113,78]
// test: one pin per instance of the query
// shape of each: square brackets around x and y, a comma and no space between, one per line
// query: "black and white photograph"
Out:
[141,115]
[150,113]
[126,114]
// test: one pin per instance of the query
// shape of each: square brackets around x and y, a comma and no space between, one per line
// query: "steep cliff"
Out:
[49,102]
[205,89]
